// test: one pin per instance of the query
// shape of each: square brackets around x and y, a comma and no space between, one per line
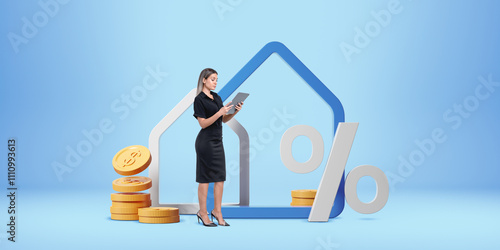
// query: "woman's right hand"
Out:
[225,109]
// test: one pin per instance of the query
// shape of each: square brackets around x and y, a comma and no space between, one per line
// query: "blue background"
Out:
[75,69]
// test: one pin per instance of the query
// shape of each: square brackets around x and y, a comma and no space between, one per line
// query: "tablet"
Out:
[237,99]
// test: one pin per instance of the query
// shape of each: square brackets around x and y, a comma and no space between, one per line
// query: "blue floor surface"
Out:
[410,220]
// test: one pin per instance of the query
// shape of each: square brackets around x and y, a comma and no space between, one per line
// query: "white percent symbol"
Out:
[334,169]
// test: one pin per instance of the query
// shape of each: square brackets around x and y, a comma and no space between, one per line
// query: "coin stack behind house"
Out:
[159,215]
[303,197]
[130,161]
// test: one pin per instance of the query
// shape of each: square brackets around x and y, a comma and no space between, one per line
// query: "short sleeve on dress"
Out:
[199,109]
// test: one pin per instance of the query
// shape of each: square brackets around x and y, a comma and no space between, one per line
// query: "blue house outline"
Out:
[322,91]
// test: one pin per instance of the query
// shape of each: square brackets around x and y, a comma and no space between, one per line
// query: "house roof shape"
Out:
[297,66]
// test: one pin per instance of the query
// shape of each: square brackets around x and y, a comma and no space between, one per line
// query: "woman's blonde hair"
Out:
[204,75]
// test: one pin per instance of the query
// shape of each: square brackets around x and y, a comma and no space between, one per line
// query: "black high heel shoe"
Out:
[211,224]
[225,222]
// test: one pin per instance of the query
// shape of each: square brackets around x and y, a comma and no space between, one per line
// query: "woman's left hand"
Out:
[238,107]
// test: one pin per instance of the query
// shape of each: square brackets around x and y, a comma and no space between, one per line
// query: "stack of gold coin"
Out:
[159,215]
[130,161]
[125,205]
[303,197]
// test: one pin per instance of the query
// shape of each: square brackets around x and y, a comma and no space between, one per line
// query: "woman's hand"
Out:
[225,117]
[238,107]
[222,111]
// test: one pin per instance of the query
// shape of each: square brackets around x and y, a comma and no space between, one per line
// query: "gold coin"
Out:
[124,216]
[302,202]
[304,193]
[158,211]
[130,197]
[131,204]
[132,184]
[159,220]
[124,210]
[132,160]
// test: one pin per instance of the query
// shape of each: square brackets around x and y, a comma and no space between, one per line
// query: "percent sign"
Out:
[335,166]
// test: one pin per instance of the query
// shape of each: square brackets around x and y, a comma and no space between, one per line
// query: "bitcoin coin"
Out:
[158,211]
[132,184]
[304,193]
[129,204]
[124,210]
[132,160]
[159,220]
[302,202]
[124,216]
[130,197]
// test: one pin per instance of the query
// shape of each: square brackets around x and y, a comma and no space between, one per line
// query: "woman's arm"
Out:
[205,122]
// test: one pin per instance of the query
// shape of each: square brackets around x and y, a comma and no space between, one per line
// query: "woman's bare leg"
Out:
[218,189]
[202,199]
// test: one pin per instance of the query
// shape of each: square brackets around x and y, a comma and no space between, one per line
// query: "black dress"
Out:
[210,158]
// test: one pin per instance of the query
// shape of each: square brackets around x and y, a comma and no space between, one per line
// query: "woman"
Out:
[210,158]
